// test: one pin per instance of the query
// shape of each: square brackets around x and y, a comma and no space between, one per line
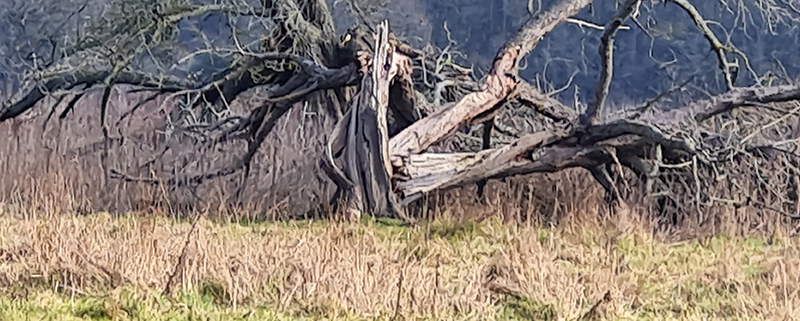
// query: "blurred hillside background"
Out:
[647,64]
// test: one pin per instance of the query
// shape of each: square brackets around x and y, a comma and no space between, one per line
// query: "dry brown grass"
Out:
[447,269]
[284,179]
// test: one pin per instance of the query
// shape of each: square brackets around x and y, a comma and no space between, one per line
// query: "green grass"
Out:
[128,304]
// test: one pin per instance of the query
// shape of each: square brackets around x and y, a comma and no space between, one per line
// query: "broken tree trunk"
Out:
[360,139]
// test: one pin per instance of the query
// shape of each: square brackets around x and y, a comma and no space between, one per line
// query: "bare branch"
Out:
[500,83]
[716,45]
[543,104]
[37,91]
[606,51]
[704,109]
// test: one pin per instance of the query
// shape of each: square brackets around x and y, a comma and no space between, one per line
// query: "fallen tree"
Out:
[379,153]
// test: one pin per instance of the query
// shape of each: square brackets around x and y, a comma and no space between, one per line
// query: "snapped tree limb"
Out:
[498,85]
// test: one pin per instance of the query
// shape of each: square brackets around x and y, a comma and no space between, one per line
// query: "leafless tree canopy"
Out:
[718,126]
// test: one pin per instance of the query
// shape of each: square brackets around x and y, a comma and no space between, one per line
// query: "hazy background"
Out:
[645,66]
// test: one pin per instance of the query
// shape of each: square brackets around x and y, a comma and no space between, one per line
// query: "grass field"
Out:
[105,268]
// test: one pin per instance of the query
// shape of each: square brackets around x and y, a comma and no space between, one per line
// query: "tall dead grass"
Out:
[59,166]
[448,269]
[65,156]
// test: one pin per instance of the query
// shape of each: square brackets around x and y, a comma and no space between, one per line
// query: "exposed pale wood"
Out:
[531,153]
[431,171]
[539,152]
[362,139]
[500,82]
[384,69]
[549,152]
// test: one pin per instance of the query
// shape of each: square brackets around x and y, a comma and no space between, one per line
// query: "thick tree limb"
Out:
[531,153]
[311,77]
[539,152]
[548,152]
[500,82]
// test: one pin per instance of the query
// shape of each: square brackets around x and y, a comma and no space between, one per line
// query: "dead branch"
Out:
[606,51]
[362,139]
[705,109]
[258,127]
[533,153]
[543,104]
[500,82]
[716,45]
[36,91]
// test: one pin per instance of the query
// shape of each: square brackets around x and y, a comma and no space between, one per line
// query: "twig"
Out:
[544,104]
[583,23]
[135,107]
[772,123]
[399,292]
[637,112]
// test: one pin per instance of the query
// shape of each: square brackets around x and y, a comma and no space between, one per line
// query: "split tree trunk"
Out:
[360,139]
